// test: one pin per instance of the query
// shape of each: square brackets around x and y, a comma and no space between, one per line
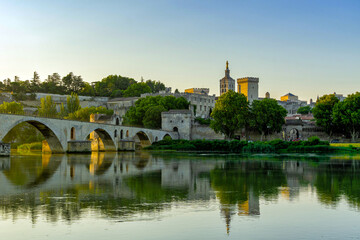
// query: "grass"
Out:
[357,145]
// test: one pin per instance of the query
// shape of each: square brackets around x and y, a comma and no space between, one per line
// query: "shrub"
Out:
[27,147]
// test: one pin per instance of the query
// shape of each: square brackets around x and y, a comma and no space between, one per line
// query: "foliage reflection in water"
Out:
[130,187]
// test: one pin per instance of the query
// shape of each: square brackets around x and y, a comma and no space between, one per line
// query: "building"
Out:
[249,86]
[198,90]
[121,105]
[178,121]
[227,83]
[201,104]
[289,97]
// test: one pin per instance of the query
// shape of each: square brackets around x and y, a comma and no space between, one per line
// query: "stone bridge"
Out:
[75,136]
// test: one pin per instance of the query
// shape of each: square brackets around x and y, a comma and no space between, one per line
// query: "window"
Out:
[72,133]
[200,107]
[204,108]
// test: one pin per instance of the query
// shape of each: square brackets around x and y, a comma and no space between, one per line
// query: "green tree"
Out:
[112,83]
[267,116]
[304,110]
[323,113]
[87,90]
[35,82]
[11,108]
[152,117]
[230,114]
[155,86]
[47,108]
[72,103]
[83,114]
[136,114]
[346,114]
[67,81]
[136,89]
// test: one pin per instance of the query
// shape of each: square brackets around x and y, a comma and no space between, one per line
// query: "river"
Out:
[179,196]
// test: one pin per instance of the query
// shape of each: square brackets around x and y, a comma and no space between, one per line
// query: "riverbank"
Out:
[313,145]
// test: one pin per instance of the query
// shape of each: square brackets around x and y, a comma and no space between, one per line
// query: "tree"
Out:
[177,91]
[136,89]
[35,82]
[346,114]
[135,115]
[72,103]
[111,83]
[83,114]
[155,86]
[87,90]
[304,110]
[47,108]
[11,108]
[267,116]
[323,113]
[230,114]
[152,117]
[67,81]
[77,84]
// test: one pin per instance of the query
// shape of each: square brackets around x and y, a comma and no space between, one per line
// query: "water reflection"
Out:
[123,186]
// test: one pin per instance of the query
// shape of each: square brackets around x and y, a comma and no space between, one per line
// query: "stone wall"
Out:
[5,149]
[204,132]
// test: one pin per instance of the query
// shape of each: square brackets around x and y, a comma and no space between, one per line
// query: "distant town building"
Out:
[227,83]
[249,86]
[339,96]
[198,90]
[288,97]
[267,95]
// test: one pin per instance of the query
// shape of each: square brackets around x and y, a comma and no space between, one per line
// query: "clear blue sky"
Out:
[307,47]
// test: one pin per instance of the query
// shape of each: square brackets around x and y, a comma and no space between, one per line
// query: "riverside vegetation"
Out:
[313,145]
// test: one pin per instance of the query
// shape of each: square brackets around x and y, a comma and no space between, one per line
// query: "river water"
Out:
[179,196]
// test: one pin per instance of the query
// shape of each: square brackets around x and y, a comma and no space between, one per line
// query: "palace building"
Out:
[227,83]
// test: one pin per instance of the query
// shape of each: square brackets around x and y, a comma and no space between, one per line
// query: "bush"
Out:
[258,147]
[27,147]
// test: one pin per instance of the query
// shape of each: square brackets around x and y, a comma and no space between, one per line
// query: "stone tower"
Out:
[249,86]
[227,83]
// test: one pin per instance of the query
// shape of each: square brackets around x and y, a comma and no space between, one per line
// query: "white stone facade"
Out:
[177,121]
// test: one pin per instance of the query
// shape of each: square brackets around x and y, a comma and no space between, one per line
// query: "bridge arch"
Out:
[166,136]
[142,139]
[50,134]
[101,140]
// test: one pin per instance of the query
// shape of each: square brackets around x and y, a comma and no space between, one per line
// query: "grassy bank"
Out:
[313,145]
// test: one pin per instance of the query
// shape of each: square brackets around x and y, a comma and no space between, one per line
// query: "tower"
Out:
[249,86]
[227,83]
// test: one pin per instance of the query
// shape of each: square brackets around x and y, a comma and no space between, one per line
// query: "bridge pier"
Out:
[5,149]
[79,147]
[125,145]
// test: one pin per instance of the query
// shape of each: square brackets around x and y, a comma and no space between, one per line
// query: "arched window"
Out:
[117,121]
[72,133]
[127,133]
[115,133]
[156,139]
[175,129]
[121,134]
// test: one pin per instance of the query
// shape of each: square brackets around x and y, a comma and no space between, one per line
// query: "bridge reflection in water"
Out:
[121,185]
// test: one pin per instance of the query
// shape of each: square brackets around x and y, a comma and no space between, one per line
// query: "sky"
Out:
[307,47]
